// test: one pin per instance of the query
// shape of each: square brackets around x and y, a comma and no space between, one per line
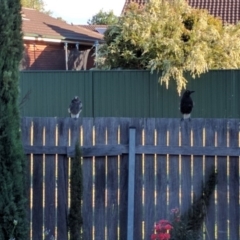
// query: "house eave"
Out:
[85,41]
[58,40]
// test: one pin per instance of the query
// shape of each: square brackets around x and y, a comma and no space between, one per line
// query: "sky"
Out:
[80,11]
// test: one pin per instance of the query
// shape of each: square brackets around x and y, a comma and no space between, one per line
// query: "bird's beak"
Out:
[192,91]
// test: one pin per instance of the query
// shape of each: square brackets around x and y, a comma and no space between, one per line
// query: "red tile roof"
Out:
[227,10]
[37,24]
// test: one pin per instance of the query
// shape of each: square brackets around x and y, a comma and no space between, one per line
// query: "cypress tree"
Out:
[12,161]
[75,216]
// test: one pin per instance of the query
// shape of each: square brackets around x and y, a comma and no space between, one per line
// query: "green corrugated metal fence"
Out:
[127,93]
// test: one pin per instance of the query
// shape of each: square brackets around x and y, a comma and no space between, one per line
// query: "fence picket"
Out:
[233,182]
[112,183]
[62,180]
[173,168]
[49,180]
[161,172]
[87,208]
[222,191]
[37,184]
[149,180]
[62,211]
[209,163]
[197,161]
[100,182]
[123,179]
[185,176]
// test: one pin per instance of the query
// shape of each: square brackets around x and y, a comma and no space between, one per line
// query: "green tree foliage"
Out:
[103,18]
[12,161]
[35,4]
[75,216]
[171,37]
[60,18]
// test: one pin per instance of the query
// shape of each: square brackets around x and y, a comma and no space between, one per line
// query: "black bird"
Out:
[186,104]
[75,107]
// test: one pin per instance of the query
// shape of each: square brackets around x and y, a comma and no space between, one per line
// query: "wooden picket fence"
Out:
[135,170]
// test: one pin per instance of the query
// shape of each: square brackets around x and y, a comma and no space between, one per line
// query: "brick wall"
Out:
[51,56]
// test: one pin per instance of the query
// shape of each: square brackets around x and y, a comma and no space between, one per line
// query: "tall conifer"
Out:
[75,220]
[12,160]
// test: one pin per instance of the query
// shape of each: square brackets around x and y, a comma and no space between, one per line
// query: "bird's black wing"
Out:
[75,107]
[186,105]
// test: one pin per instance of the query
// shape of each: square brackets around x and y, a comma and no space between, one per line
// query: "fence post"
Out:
[131,183]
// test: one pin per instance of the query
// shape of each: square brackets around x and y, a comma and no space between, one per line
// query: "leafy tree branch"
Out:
[172,38]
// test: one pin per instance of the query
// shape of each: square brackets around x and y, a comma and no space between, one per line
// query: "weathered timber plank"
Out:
[112,182]
[197,151]
[209,164]
[222,186]
[185,171]
[113,150]
[62,179]
[62,193]
[173,162]
[100,182]
[74,126]
[63,131]
[26,130]
[161,171]
[197,162]
[105,150]
[203,158]
[149,179]
[50,150]
[97,151]
[234,182]
[87,171]
[123,179]
[37,201]
[49,180]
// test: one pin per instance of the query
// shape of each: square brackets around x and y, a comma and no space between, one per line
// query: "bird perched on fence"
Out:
[186,104]
[75,107]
